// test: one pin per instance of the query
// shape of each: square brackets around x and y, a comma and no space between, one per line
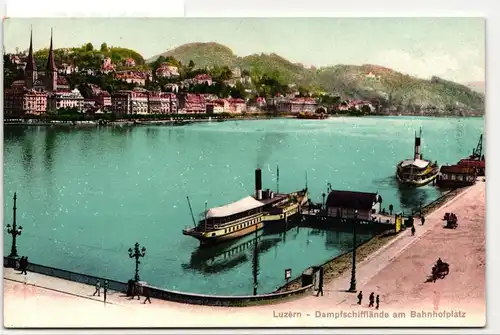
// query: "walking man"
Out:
[23,264]
[377,301]
[97,288]
[412,230]
[422,219]
[146,294]
[360,297]
[320,289]
[105,290]
[372,299]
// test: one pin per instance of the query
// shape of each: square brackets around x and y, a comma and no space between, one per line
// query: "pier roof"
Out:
[239,206]
[351,199]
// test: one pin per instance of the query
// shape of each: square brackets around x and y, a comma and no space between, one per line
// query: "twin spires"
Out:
[51,64]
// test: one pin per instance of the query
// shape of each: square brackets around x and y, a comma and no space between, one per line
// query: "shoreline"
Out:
[185,120]
[338,265]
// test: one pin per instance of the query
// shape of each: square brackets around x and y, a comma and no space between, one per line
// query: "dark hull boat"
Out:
[417,171]
[247,215]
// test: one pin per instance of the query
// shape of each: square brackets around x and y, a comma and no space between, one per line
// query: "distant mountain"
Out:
[397,91]
[478,86]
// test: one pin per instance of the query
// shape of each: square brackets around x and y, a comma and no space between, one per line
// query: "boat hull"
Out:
[219,237]
[416,183]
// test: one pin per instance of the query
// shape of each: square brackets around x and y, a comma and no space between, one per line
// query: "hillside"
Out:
[396,91]
[202,54]
[87,56]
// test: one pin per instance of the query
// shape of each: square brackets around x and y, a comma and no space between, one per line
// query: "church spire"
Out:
[51,64]
[30,63]
[51,72]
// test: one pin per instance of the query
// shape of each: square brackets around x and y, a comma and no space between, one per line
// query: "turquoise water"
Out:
[86,195]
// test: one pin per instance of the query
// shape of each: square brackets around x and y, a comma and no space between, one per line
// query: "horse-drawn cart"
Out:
[451,220]
[440,270]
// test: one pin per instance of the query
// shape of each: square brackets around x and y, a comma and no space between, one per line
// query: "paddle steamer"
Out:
[417,171]
[247,215]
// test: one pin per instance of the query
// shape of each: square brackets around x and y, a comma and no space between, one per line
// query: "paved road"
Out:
[41,301]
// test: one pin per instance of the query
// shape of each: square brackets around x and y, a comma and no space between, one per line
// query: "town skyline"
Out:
[451,48]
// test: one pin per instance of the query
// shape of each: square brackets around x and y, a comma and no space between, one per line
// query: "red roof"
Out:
[471,163]
[203,77]
[236,101]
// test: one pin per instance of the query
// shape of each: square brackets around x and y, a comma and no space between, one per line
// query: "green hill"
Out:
[202,54]
[395,90]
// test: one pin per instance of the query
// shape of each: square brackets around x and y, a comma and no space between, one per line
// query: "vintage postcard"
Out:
[260,172]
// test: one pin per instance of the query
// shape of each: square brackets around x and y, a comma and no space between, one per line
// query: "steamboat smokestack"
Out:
[258,184]
[418,154]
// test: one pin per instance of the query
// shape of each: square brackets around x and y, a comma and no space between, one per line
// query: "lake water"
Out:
[87,195]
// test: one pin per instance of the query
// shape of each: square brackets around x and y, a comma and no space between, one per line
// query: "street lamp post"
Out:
[323,195]
[353,273]
[14,231]
[137,253]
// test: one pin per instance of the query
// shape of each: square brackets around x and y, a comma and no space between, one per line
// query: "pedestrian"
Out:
[377,301]
[21,264]
[320,288]
[412,230]
[422,219]
[146,294]
[360,297]
[97,288]
[25,266]
[372,299]
[105,290]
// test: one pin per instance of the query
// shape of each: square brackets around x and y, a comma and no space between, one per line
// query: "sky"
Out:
[451,48]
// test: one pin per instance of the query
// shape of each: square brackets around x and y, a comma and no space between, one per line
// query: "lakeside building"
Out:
[192,103]
[236,106]
[65,99]
[343,204]
[356,104]
[296,105]
[162,103]
[143,102]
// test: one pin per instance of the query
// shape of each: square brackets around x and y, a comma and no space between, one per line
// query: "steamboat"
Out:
[247,215]
[417,171]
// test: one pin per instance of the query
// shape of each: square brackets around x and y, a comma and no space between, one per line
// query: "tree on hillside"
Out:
[238,91]
[104,47]
[89,47]
[191,64]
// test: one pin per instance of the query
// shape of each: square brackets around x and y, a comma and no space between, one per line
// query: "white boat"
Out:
[416,171]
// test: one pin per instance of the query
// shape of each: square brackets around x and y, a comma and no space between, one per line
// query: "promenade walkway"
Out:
[397,272]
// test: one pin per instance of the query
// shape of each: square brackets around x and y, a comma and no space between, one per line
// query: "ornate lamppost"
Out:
[137,253]
[14,231]
[352,288]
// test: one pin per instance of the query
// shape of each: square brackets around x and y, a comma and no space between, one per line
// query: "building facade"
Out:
[296,105]
[192,103]
[343,204]
[65,100]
